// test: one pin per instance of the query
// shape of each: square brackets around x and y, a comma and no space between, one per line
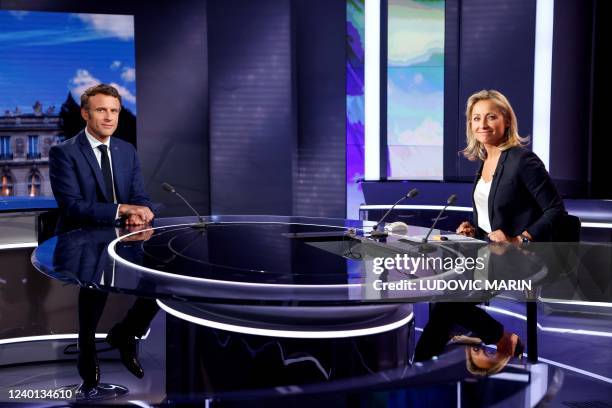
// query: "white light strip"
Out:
[511,377]
[48,337]
[293,334]
[459,208]
[549,329]
[19,245]
[113,254]
[574,302]
[458,394]
[371,85]
[141,404]
[576,370]
[542,79]
[575,331]
[414,207]
[505,312]
[596,224]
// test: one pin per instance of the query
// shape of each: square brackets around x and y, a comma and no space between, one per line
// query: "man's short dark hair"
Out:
[103,89]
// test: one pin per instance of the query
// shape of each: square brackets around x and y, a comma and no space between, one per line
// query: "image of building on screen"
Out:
[25,140]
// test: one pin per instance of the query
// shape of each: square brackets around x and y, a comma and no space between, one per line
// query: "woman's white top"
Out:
[481,199]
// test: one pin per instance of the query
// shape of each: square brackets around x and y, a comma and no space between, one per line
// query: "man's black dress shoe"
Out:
[126,345]
[88,366]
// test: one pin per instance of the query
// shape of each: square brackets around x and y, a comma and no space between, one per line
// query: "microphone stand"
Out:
[429,248]
[381,234]
[202,225]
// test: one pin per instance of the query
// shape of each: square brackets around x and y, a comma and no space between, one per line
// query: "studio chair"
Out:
[46,222]
[566,229]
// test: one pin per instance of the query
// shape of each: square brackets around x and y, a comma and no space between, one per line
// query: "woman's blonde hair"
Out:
[474,149]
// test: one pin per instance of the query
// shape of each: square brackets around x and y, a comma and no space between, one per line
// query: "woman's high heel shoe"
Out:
[479,362]
[519,349]
[510,345]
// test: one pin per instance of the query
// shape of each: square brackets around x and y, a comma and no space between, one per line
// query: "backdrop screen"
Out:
[46,61]
[415,94]
[355,143]
[415,89]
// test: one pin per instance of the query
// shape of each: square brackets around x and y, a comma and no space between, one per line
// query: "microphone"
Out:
[168,187]
[377,234]
[451,200]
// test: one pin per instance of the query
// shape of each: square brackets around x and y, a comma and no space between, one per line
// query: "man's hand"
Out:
[466,229]
[500,236]
[135,214]
[144,235]
[135,220]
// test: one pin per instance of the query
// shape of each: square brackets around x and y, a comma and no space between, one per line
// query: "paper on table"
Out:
[457,237]
[435,238]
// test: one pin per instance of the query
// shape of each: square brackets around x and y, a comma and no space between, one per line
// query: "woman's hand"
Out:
[466,229]
[500,236]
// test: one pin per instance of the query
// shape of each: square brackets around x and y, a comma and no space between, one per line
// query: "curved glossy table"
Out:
[275,283]
[274,276]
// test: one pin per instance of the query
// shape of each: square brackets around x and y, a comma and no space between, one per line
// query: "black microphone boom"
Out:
[451,200]
[375,233]
[168,187]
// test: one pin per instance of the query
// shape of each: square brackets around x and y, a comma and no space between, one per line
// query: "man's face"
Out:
[102,115]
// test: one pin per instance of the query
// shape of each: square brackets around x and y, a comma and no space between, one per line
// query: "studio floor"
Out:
[577,363]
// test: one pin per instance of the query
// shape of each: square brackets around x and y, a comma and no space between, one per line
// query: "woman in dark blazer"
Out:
[514,201]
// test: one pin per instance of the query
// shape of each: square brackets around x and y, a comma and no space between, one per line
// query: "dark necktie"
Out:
[106,172]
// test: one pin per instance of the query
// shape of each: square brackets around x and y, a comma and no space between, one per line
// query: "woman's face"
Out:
[488,123]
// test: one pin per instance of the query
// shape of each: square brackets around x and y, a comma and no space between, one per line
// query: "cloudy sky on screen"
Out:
[43,56]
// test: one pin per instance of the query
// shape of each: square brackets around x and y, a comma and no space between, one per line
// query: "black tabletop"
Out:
[256,259]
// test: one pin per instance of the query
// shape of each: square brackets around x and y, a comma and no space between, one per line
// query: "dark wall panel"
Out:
[252,132]
[571,95]
[319,186]
[496,52]
[601,85]
[171,60]
[496,46]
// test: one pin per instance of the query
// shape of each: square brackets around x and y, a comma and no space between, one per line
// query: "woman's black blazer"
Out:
[522,196]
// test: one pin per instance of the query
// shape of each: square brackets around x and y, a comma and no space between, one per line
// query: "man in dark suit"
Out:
[96,180]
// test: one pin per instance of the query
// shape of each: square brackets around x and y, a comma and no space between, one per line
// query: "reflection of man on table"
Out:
[97,181]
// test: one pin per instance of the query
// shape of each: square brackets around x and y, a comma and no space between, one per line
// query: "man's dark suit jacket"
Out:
[522,196]
[82,255]
[78,184]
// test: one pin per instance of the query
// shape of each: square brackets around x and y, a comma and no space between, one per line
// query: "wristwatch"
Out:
[524,238]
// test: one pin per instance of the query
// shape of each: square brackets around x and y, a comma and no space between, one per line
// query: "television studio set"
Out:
[334,203]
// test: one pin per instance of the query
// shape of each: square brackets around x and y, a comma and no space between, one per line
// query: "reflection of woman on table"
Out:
[514,200]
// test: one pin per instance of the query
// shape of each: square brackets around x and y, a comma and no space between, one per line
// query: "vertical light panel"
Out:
[355,139]
[372,89]
[542,79]
[415,90]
